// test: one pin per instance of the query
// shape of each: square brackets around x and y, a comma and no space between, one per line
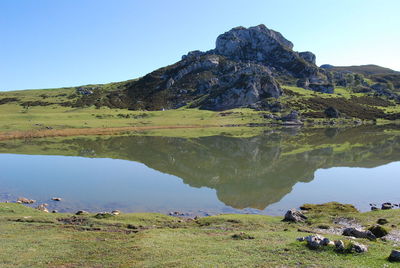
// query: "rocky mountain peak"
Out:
[242,71]
[253,44]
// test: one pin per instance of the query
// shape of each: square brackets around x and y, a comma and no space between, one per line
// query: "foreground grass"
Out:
[30,238]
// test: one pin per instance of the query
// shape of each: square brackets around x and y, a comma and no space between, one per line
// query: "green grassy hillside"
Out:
[66,108]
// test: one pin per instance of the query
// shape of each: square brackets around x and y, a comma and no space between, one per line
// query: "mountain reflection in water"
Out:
[251,172]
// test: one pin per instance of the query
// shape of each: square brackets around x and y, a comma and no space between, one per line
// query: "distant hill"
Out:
[369,69]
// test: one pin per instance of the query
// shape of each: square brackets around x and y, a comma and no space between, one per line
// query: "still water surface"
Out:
[266,174]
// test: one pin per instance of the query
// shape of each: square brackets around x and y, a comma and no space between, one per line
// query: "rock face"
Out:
[294,215]
[308,56]
[267,47]
[245,69]
[241,71]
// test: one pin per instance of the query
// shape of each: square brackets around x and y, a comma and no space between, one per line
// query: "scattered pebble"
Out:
[116,212]
[23,200]
[43,207]
[81,212]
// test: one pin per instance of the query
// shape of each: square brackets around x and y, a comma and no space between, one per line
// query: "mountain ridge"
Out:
[247,68]
[254,68]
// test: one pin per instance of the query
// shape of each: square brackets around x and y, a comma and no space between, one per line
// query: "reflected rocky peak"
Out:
[246,172]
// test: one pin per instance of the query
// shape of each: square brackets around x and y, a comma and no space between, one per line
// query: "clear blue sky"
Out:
[49,43]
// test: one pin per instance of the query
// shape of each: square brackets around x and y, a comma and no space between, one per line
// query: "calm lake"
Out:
[265,174]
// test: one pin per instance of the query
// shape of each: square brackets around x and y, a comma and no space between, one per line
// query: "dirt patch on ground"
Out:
[74,220]
[86,131]
[7,100]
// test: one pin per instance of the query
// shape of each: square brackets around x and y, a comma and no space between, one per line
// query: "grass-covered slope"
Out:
[31,238]
[368,69]
[52,111]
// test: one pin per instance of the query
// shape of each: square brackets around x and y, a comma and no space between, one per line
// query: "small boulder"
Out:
[293,215]
[339,244]
[332,112]
[42,207]
[116,212]
[359,248]
[327,242]
[358,233]
[56,198]
[81,212]
[373,208]
[395,256]
[293,116]
[23,200]
[378,231]
[386,206]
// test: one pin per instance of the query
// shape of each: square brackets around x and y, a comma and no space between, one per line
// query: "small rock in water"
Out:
[56,198]
[54,211]
[294,215]
[359,233]
[81,212]
[374,208]
[42,207]
[23,200]
[395,256]
[387,206]
[176,214]
[115,212]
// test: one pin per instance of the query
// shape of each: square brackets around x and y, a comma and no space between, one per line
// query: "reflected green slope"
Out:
[246,172]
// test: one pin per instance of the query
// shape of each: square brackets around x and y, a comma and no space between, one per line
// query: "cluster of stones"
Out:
[384,206]
[100,214]
[317,241]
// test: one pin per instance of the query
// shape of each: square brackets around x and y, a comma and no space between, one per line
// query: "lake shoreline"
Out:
[68,132]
